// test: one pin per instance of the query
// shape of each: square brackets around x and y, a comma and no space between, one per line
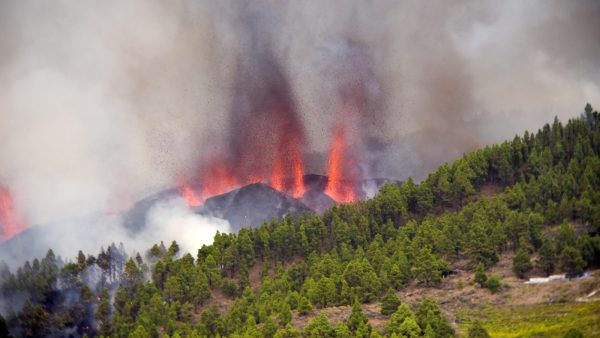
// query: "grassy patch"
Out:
[544,320]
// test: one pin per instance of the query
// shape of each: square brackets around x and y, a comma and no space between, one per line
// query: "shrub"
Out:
[480,276]
[389,303]
[478,331]
[230,287]
[493,283]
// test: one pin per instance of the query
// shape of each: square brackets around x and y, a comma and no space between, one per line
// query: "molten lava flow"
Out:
[187,192]
[298,188]
[216,180]
[288,170]
[337,188]
[11,223]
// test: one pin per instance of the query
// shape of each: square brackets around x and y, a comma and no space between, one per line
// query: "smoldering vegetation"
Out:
[76,296]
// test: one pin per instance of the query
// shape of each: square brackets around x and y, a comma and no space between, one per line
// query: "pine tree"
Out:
[319,328]
[571,262]
[285,314]
[304,306]
[480,276]
[521,263]
[389,303]
[357,317]
[427,267]
[342,331]
[409,328]
[402,313]
[429,313]
[546,257]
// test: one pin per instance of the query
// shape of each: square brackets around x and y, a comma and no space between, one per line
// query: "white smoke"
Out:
[168,220]
[172,220]
[105,102]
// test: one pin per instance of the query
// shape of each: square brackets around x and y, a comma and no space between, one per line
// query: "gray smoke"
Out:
[103,102]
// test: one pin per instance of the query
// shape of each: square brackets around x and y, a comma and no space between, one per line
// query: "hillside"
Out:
[446,257]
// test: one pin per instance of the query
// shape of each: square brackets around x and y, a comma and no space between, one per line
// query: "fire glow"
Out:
[266,140]
[11,222]
[339,187]
[286,173]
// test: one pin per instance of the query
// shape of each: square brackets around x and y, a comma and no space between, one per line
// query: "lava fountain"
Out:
[11,222]
[340,186]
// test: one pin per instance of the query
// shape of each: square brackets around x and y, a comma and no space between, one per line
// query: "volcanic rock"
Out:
[252,204]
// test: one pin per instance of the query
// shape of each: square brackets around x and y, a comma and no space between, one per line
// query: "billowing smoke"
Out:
[168,220]
[102,103]
[264,140]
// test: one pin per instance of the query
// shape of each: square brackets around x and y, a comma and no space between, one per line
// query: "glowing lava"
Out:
[288,170]
[11,223]
[187,192]
[338,186]
[217,179]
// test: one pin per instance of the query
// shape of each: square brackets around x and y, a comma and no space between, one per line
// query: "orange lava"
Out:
[187,192]
[11,223]
[340,190]
[216,180]
[288,170]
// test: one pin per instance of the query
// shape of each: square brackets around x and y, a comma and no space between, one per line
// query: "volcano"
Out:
[252,204]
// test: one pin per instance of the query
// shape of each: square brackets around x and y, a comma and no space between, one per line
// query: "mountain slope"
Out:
[464,239]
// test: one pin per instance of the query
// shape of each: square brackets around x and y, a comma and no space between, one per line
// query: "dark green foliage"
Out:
[3,328]
[493,283]
[402,314]
[33,320]
[570,261]
[521,263]
[230,287]
[428,269]
[547,257]
[480,276]
[573,333]
[342,330]
[389,303]
[478,331]
[319,327]
[429,313]
[288,332]
[358,319]
[211,323]
[304,306]
[409,328]
[351,254]
[285,314]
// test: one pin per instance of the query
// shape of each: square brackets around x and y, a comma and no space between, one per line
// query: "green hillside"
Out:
[445,257]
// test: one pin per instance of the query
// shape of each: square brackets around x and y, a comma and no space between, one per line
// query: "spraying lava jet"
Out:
[266,142]
[10,221]
[340,184]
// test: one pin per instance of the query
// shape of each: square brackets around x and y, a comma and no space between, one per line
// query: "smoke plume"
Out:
[105,102]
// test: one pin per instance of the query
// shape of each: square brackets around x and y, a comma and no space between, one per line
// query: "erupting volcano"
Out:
[10,221]
[266,141]
[340,185]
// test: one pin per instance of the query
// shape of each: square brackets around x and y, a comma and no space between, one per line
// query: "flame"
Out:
[217,179]
[298,188]
[187,192]
[11,223]
[288,162]
[337,188]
